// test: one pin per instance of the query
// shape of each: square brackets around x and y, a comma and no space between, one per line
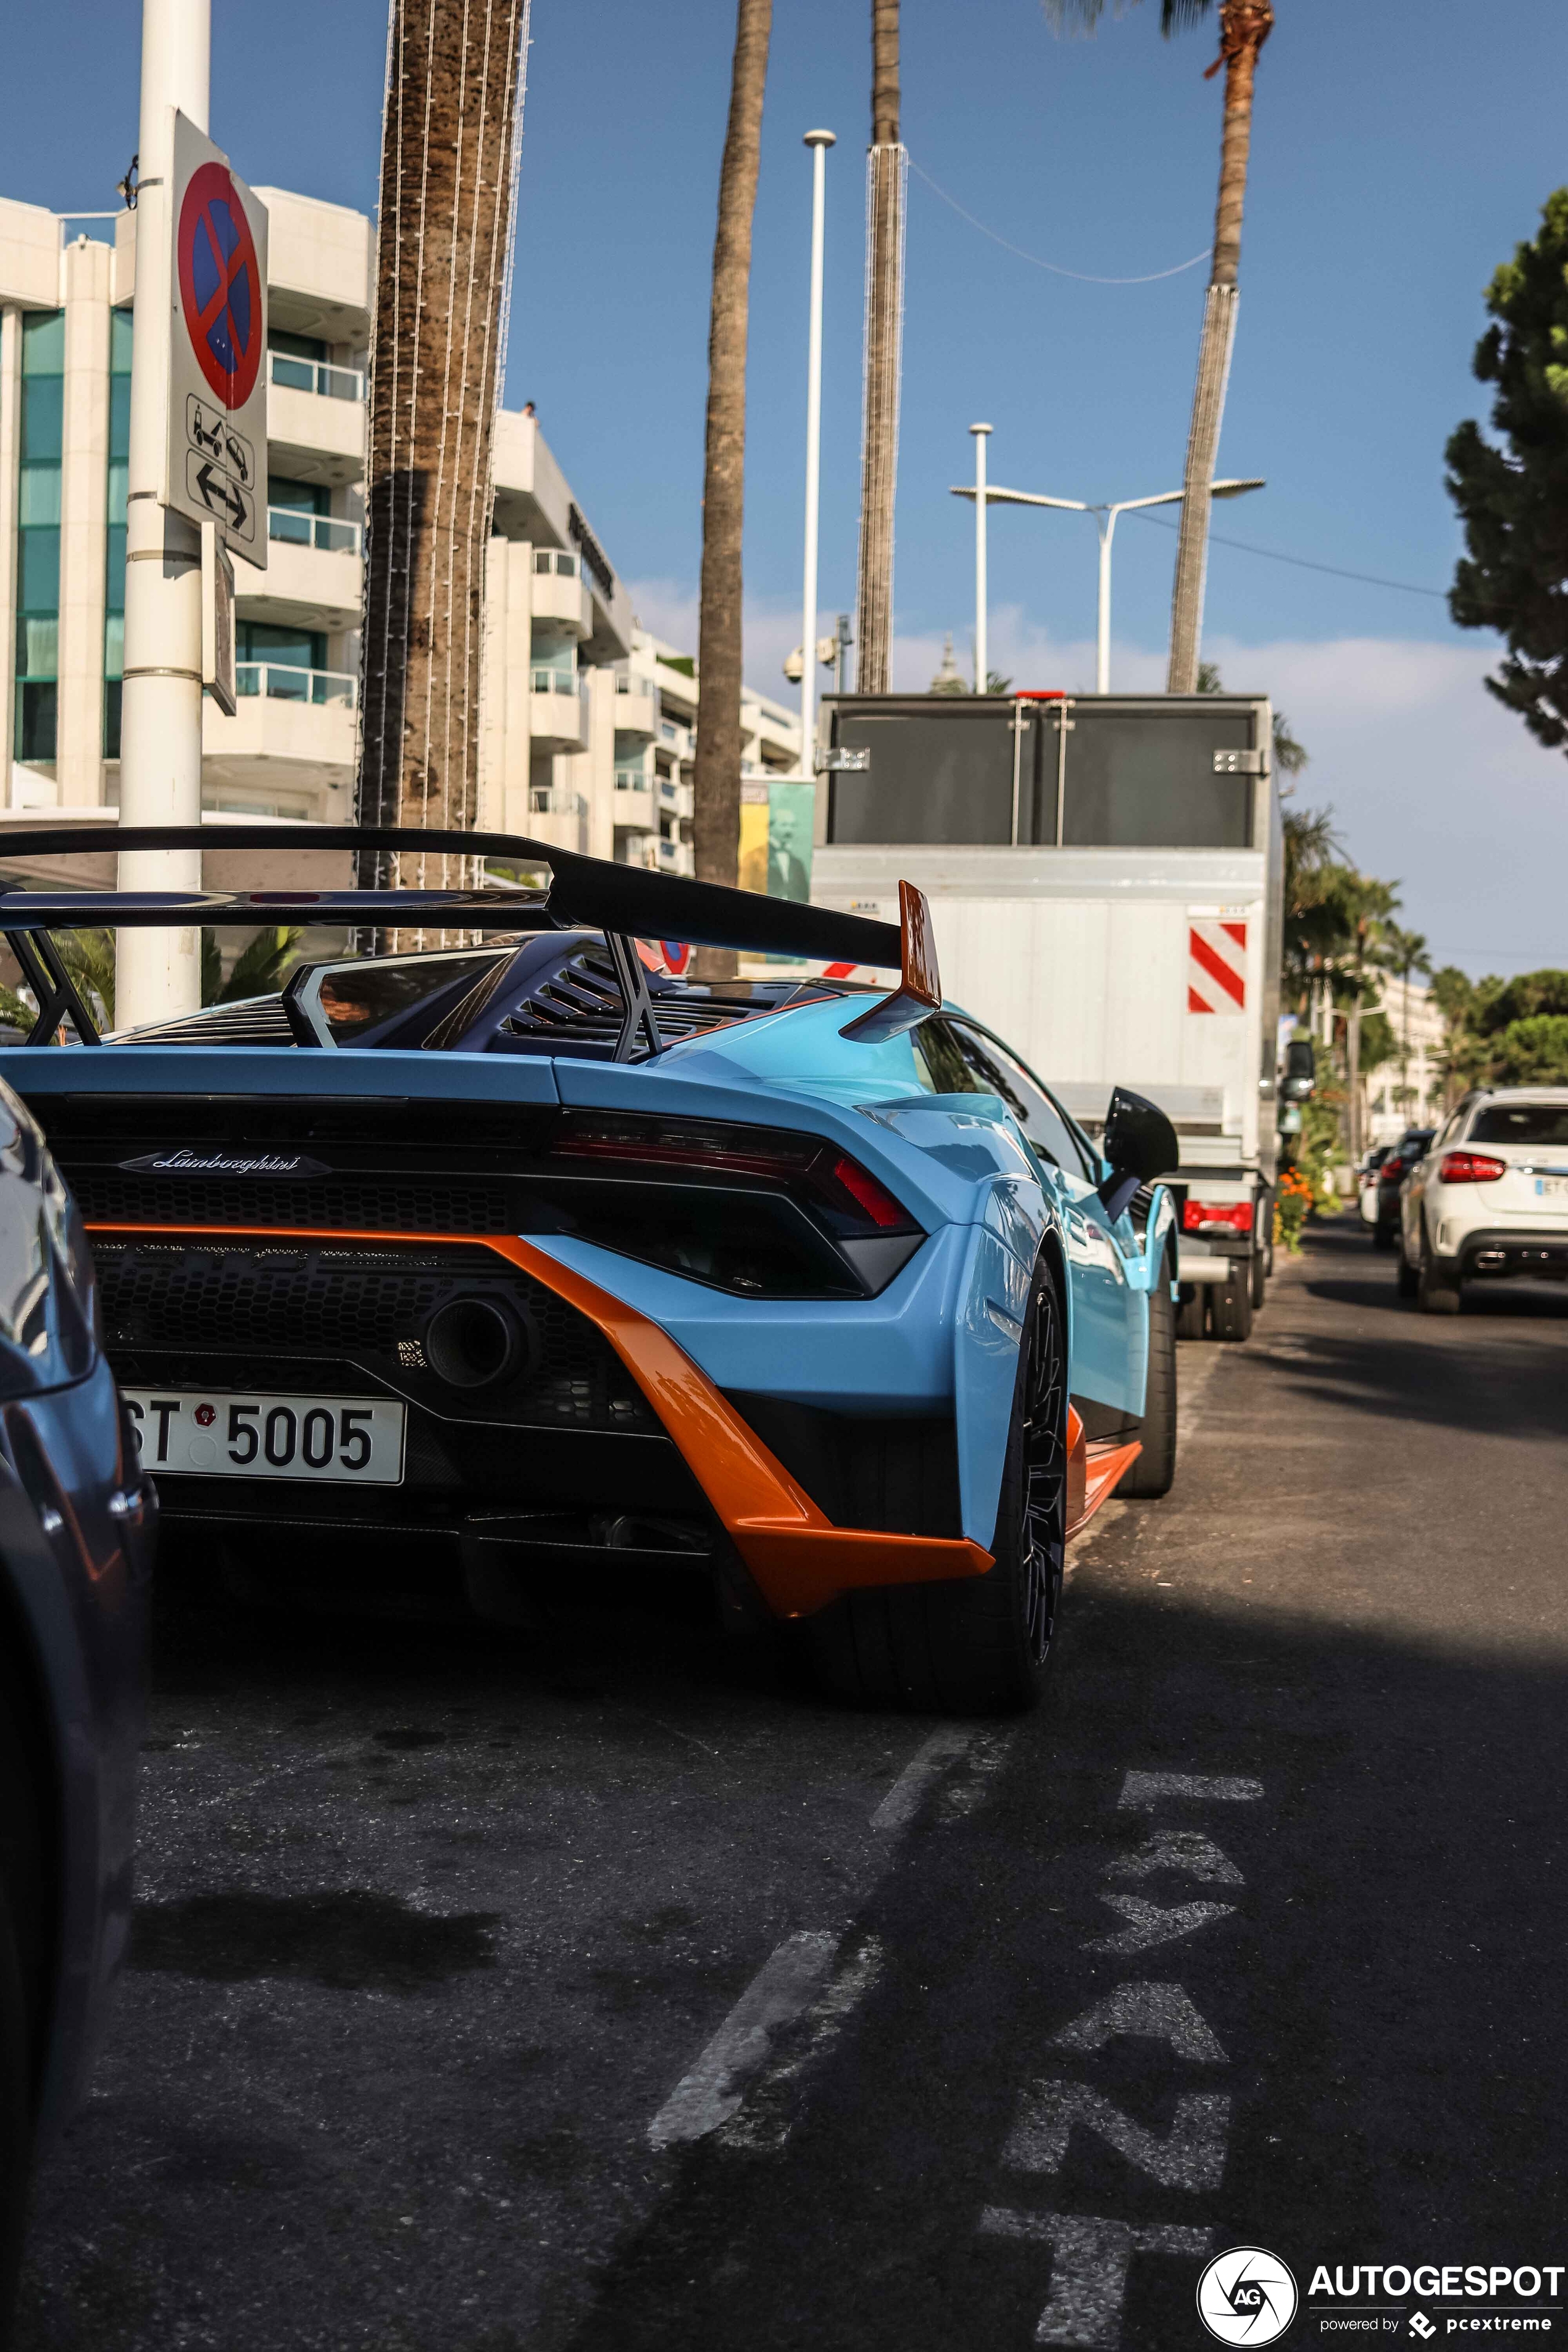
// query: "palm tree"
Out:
[449,177]
[1244,27]
[1406,954]
[886,166]
[716,784]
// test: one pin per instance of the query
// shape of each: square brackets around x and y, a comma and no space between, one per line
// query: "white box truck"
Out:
[1105,876]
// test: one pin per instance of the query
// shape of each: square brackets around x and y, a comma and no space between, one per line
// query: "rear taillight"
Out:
[1216,1216]
[814,1172]
[1470,1168]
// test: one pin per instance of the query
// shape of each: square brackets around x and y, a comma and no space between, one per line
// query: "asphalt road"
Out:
[599,1993]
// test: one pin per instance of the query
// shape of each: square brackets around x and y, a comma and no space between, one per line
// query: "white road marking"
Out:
[766,2120]
[902,1800]
[1188,1851]
[1142,1790]
[1190,2155]
[1089,2262]
[1151,1924]
[1156,2013]
[793,1976]
[787,1981]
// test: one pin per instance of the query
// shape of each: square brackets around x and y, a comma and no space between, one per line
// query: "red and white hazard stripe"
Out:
[1217,965]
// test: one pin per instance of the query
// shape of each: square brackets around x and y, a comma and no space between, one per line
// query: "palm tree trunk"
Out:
[716,784]
[887,172]
[1245,26]
[449,177]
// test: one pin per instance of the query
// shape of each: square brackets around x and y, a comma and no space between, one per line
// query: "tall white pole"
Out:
[981,665]
[1102,647]
[819,141]
[158,972]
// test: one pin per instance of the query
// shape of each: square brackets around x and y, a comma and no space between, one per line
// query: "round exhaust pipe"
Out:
[475,1342]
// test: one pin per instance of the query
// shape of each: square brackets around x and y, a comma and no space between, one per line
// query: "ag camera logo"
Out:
[1246,2295]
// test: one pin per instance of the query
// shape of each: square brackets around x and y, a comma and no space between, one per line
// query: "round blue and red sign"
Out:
[220,285]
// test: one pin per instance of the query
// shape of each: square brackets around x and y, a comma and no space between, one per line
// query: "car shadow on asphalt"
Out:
[1381,1977]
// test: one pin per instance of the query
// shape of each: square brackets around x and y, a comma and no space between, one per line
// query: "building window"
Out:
[278,647]
[38,535]
[114,560]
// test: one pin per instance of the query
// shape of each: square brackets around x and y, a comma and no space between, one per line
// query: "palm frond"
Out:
[258,969]
[1073,15]
[1181,16]
[89,957]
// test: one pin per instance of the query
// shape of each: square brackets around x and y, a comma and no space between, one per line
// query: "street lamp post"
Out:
[158,971]
[819,141]
[981,672]
[1105,524]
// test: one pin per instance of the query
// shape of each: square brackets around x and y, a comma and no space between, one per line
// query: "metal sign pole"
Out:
[158,972]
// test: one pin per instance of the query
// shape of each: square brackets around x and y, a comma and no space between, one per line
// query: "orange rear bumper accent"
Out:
[799,1560]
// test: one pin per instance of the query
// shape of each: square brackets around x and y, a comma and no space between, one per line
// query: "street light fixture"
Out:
[1105,523]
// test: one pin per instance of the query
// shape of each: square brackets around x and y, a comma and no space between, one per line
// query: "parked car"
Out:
[1366,1183]
[1402,1158]
[76,1525]
[574,1270]
[1489,1198]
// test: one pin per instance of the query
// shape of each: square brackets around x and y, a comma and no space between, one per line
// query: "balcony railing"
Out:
[627,684]
[553,681]
[633,780]
[281,682]
[297,527]
[318,376]
[555,800]
[559,560]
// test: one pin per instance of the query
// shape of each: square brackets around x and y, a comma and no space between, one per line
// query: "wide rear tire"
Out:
[16,2118]
[975,1644]
[1407,1275]
[1154,1471]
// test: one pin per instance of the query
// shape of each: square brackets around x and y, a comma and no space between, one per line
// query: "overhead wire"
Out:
[1084,277]
[1302,562]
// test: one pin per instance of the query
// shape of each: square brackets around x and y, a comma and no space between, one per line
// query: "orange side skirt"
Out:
[799,1560]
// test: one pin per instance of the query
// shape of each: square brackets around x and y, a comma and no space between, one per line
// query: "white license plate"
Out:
[357,1441]
[1551,1188]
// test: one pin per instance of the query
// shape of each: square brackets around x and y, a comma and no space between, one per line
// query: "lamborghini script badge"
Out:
[186,1163]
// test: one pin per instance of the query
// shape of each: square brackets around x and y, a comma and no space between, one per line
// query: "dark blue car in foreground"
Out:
[76,1525]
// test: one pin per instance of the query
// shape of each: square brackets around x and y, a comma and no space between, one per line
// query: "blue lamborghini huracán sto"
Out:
[565,1269]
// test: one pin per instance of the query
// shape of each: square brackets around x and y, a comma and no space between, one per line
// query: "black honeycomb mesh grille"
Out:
[370,1305]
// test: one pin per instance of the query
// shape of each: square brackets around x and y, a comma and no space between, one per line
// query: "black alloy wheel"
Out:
[1230,1309]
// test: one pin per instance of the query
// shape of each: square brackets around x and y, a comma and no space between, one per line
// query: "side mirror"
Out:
[1300,1071]
[1140,1143]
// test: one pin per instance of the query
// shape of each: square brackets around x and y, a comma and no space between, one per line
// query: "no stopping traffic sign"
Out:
[220,285]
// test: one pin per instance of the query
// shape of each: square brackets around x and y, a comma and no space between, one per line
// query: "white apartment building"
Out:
[1409,1090]
[588,724]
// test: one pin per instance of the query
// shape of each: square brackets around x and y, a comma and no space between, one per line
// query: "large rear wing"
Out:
[624,902]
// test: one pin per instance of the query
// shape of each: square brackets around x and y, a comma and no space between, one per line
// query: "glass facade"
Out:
[38,535]
[115,572]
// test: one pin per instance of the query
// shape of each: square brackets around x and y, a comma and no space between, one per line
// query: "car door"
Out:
[1103,1350]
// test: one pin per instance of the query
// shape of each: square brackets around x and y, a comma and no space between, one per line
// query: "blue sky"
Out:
[1400,151]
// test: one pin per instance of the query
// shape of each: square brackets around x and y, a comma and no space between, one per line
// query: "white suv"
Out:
[1491,1198]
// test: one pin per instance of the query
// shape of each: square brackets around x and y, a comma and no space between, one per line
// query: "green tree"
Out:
[1532,1052]
[1513,497]
[260,967]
